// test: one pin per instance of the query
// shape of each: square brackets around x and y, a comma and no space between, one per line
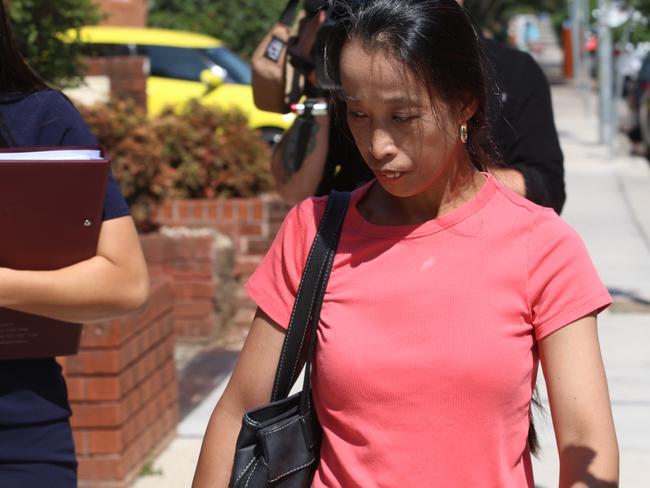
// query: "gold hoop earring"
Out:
[463,133]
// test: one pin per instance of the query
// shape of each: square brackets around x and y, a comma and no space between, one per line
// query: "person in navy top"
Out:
[36,446]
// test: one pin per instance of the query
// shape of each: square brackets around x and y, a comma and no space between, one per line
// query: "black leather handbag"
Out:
[279,443]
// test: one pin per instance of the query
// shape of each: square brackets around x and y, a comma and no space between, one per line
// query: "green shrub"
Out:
[197,153]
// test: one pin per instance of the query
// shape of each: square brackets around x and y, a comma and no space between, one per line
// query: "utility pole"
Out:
[605,75]
[576,28]
[618,83]
[579,26]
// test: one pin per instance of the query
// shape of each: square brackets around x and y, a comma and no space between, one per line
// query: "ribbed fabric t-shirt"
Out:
[426,358]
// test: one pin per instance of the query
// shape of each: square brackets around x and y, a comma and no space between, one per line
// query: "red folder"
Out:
[50,217]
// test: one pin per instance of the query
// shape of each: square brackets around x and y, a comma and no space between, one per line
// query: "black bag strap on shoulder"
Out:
[309,298]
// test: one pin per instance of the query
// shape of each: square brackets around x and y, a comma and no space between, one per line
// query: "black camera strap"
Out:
[288,15]
[300,137]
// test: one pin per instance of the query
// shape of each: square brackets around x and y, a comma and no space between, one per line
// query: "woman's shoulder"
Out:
[41,100]
[45,118]
[308,213]
[516,204]
[515,210]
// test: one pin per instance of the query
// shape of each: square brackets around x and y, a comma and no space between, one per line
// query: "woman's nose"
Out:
[382,145]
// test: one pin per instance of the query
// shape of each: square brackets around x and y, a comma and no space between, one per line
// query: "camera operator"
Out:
[327,159]
[315,156]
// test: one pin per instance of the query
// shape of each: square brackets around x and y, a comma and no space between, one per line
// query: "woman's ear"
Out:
[469,108]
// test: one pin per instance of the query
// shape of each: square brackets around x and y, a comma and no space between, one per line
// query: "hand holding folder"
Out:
[51,202]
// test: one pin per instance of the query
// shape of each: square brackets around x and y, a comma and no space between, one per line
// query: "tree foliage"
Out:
[640,29]
[37,25]
[241,24]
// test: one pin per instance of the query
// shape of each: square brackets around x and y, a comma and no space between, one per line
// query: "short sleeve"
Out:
[75,132]
[114,204]
[274,284]
[563,285]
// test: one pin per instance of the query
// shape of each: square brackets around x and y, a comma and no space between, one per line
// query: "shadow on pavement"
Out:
[625,301]
[201,375]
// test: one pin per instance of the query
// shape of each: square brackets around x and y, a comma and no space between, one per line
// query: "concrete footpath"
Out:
[609,204]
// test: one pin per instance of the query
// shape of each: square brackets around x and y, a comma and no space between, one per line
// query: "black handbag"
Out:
[279,443]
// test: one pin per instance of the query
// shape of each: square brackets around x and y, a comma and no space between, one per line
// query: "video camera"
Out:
[317,62]
[280,71]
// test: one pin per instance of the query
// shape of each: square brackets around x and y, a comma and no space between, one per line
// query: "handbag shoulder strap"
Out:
[318,264]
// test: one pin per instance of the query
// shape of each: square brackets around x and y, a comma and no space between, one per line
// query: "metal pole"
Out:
[584,19]
[618,89]
[605,75]
[575,42]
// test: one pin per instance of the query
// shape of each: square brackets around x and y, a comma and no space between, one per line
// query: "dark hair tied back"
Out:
[16,77]
[436,40]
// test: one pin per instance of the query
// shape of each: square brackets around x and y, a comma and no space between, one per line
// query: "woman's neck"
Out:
[454,188]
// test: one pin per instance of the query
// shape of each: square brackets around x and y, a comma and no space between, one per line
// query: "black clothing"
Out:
[523,129]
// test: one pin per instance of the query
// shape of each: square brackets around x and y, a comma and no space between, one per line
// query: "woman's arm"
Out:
[112,283]
[580,407]
[295,187]
[250,386]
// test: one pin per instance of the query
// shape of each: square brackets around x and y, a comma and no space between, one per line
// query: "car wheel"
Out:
[271,135]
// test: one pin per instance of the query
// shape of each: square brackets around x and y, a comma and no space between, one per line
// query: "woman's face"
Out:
[408,140]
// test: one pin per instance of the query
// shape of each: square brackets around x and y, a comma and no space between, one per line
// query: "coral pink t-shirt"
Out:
[426,357]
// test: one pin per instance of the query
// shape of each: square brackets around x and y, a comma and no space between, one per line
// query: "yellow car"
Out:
[186,65]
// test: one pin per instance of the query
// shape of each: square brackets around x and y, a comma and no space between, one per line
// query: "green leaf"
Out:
[37,23]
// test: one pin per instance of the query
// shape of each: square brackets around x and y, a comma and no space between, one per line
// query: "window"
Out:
[239,71]
[175,62]
[105,50]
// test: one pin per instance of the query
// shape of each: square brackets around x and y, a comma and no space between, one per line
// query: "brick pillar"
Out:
[199,264]
[123,391]
[132,13]
[126,74]
[251,224]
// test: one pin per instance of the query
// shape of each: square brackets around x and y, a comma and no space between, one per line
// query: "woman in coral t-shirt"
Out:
[446,291]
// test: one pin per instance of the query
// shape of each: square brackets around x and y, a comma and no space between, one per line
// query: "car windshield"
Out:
[239,71]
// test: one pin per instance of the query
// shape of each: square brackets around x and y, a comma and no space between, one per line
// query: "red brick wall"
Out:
[124,12]
[123,392]
[122,384]
[251,224]
[126,74]
[200,269]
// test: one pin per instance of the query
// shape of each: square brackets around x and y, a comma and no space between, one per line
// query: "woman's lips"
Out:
[389,175]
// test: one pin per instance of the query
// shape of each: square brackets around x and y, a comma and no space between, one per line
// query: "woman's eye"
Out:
[356,115]
[404,118]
